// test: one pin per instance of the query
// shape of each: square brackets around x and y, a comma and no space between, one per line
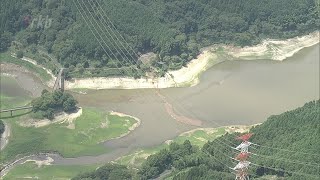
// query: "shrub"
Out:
[19,54]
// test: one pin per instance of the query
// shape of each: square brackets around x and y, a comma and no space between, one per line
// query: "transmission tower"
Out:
[243,164]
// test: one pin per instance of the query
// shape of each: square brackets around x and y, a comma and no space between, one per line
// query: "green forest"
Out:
[289,149]
[58,33]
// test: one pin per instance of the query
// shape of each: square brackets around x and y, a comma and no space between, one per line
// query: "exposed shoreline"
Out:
[275,49]
[59,118]
[51,81]
[189,76]
[184,76]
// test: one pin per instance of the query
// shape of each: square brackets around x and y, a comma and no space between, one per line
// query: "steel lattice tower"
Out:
[243,164]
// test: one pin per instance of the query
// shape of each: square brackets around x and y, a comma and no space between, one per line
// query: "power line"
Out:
[113,32]
[285,159]
[281,170]
[95,29]
[259,165]
[280,149]
[97,2]
[97,33]
[109,34]
[115,28]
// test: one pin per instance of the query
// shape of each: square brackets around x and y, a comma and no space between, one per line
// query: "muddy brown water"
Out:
[20,82]
[230,93]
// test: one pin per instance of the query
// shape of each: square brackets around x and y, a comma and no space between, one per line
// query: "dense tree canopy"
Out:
[175,30]
[296,130]
[51,102]
[107,172]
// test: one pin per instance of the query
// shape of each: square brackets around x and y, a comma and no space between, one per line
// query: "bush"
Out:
[19,54]
[69,104]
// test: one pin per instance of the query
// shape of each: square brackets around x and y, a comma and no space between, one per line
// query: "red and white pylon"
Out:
[243,164]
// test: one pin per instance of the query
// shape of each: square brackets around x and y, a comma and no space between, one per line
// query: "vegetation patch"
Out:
[107,172]
[197,137]
[83,140]
[50,103]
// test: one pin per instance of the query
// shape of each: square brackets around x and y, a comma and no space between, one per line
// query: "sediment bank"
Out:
[189,76]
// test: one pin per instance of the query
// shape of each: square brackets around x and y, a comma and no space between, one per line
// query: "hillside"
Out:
[289,150]
[174,30]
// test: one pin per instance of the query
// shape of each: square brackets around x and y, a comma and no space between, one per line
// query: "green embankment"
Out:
[7,58]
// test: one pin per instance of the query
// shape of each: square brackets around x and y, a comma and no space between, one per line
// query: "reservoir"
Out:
[229,93]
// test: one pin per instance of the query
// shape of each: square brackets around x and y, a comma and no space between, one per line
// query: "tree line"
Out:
[174,30]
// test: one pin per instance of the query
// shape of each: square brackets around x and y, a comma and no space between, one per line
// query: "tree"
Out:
[44,92]
[69,104]
[86,64]
[51,102]
[19,54]
[5,41]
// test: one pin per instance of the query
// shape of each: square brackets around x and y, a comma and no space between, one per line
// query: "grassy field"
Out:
[197,137]
[83,140]
[9,102]
[31,171]
[7,58]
